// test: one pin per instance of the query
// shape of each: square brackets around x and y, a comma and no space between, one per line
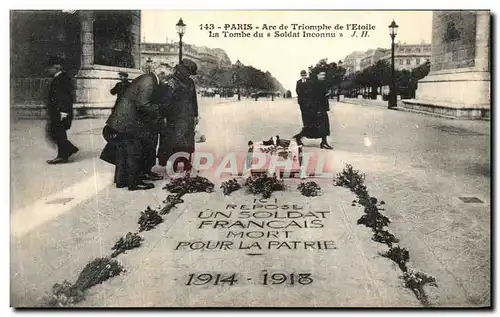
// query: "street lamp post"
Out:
[238,65]
[181,29]
[393,31]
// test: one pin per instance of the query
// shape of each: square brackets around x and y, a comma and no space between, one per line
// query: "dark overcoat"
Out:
[120,88]
[136,113]
[303,90]
[178,132]
[108,154]
[60,99]
[318,123]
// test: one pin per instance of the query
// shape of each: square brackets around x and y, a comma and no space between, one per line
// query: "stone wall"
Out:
[453,40]
[37,34]
[459,83]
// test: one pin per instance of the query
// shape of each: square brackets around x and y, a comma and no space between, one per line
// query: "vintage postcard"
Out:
[289,158]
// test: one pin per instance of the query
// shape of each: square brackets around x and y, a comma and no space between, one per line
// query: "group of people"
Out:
[155,116]
[157,107]
[158,110]
[312,96]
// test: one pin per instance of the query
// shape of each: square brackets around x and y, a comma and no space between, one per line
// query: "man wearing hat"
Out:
[179,94]
[121,86]
[60,111]
[303,90]
[135,118]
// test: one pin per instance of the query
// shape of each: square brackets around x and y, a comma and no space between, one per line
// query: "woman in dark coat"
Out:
[178,133]
[318,123]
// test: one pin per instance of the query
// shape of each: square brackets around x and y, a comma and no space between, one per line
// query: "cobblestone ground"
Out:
[63,216]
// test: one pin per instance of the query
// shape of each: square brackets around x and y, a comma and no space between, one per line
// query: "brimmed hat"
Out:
[124,74]
[190,66]
[55,60]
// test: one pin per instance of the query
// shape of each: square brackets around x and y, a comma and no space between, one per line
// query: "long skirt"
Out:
[178,135]
[317,125]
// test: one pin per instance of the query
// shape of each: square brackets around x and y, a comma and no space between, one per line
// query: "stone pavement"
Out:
[64,216]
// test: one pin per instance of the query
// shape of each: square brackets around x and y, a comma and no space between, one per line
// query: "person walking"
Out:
[60,111]
[318,125]
[179,94]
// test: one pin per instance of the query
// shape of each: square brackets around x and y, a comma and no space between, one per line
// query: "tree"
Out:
[421,71]
[417,74]
[361,79]
[377,76]
[333,72]
[403,82]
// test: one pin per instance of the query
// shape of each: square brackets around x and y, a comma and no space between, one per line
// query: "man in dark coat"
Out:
[60,112]
[135,117]
[179,94]
[121,86]
[109,152]
[149,142]
[319,124]
[303,90]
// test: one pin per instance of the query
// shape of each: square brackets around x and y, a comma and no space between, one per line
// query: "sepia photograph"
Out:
[250,158]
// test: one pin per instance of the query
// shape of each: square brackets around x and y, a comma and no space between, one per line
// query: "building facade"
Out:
[352,62]
[206,58]
[406,56]
[94,45]
[372,56]
[409,56]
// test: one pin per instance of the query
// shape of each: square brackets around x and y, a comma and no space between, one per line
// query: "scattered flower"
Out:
[374,220]
[399,255]
[309,189]
[97,271]
[188,184]
[384,237]
[353,180]
[230,186]
[264,185]
[416,281]
[149,219]
[170,203]
[131,241]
